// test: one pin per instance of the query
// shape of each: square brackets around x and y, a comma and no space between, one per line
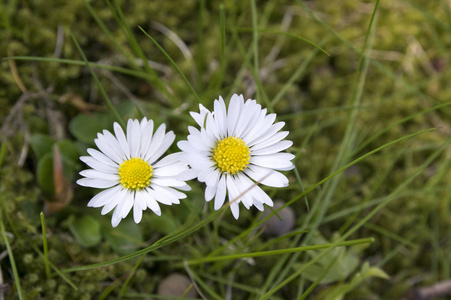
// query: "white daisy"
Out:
[235,149]
[129,169]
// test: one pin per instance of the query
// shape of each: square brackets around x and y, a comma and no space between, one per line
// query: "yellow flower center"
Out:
[135,174]
[231,155]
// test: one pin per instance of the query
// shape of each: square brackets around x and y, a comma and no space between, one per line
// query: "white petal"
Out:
[117,214]
[211,128]
[156,141]
[210,192]
[254,117]
[162,196]
[184,188]
[107,150]
[137,213]
[209,140]
[277,137]
[102,157]
[244,186]
[275,161]
[274,148]
[221,192]
[120,136]
[114,144]
[197,142]
[115,220]
[115,199]
[168,139]
[234,207]
[98,165]
[90,173]
[188,175]
[150,201]
[139,200]
[167,182]
[233,113]
[260,129]
[245,117]
[96,183]
[266,176]
[262,197]
[175,193]
[221,117]
[259,205]
[234,194]
[198,161]
[187,148]
[267,134]
[143,123]
[205,173]
[212,178]
[104,197]
[128,204]
[258,124]
[170,170]
[146,137]
[134,137]
[200,117]
[168,160]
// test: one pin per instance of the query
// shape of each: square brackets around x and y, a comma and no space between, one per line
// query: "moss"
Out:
[414,51]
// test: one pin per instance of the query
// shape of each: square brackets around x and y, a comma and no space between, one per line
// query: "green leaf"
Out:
[86,230]
[41,144]
[376,272]
[346,262]
[68,150]
[85,127]
[45,173]
[340,290]
[126,238]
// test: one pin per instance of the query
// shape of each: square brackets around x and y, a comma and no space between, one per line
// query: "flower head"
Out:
[235,149]
[129,168]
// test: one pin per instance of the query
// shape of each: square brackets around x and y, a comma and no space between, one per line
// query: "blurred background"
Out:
[300,59]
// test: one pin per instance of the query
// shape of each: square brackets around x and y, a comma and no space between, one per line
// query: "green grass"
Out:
[361,86]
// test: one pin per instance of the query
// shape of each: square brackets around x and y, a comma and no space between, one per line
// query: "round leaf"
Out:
[86,230]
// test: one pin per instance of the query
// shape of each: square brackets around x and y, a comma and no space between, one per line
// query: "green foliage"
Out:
[85,229]
[43,147]
[339,291]
[336,109]
[343,262]
[85,127]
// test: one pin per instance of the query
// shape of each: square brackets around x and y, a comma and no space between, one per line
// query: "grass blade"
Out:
[11,257]
[44,246]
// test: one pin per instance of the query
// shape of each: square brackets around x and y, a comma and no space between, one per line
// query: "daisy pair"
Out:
[233,151]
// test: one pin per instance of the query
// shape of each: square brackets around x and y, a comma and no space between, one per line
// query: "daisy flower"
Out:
[234,150]
[129,169]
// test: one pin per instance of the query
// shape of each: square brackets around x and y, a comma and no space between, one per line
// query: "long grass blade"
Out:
[11,257]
